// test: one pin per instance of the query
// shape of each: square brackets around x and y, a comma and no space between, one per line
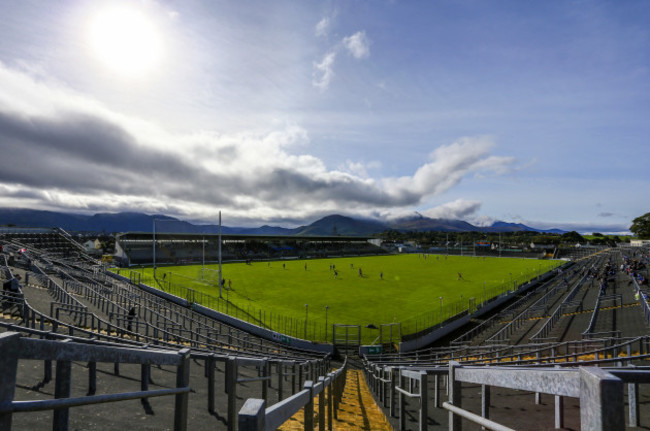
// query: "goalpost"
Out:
[209,275]
[166,247]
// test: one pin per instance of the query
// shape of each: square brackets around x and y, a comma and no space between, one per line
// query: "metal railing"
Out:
[15,348]
[589,332]
[600,391]
[643,301]
[295,371]
[546,329]
[255,416]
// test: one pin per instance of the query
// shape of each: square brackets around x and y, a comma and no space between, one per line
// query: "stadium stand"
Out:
[136,248]
[569,351]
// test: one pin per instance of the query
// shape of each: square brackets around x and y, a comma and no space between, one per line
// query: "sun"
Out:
[126,41]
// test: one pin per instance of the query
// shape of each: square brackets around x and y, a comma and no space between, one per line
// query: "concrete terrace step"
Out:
[357,410]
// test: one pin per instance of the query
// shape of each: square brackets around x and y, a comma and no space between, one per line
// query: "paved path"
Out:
[357,410]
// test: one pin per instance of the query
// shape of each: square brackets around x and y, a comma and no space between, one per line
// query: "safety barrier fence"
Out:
[255,416]
[58,292]
[146,315]
[486,325]
[160,332]
[600,391]
[203,335]
[589,332]
[568,352]
[539,307]
[88,322]
[269,372]
[5,271]
[643,300]
[545,331]
[15,348]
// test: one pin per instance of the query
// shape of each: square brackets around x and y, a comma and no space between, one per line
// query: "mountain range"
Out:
[326,226]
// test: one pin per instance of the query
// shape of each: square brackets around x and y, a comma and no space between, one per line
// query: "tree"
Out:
[573,237]
[641,226]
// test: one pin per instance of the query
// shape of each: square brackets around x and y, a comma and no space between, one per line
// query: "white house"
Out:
[93,247]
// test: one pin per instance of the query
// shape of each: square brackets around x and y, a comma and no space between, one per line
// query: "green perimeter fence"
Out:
[316,329]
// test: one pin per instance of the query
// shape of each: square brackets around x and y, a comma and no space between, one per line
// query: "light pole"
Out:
[219,251]
[306,316]
[154,249]
[484,294]
[326,307]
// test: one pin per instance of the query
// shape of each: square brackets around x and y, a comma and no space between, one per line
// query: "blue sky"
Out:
[281,112]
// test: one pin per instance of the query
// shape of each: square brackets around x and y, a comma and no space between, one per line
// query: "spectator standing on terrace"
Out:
[129,319]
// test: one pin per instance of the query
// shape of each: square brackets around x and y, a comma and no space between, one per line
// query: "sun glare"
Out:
[126,41]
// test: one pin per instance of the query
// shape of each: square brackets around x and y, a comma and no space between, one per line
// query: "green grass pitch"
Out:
[409,291]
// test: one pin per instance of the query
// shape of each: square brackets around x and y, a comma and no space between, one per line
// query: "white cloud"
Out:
[482,220]
[460,209]
[323,26]
[61,150]
[358,44]
[323,71]
[359,169]
[449,164]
